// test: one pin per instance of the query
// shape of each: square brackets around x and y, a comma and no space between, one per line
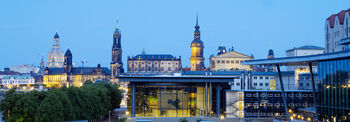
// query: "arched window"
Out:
[169,69]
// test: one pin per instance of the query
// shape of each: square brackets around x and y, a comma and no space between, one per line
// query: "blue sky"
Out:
[166,27]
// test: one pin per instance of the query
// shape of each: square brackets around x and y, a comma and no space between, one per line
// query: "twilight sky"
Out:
[165,27]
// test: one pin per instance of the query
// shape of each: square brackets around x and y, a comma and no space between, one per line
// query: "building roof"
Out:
[56,36]
[9,73]
[176,79]
[344,41]
[231,73]
[79,70]
[232,54]
[340,15]
[307,47]
[299,60]
[270,91]
[153,56]
[68,53]
[24,76]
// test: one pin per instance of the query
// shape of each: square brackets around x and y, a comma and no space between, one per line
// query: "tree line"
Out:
[92,101]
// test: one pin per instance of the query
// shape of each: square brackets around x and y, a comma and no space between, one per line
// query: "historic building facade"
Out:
[197,46]
[116,64]
[73,76]
[14,80]
[55,56]
[229,60]
[154,64]
[337,28]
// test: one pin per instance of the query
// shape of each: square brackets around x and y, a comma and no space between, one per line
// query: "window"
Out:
[301,84]
[255,77]
[218,61]
[227,61]
[238,84]
[222,61]
[255,84]
[261,84]
[266,77]
[307,84]
[267,84]
[261,77]
[232,61]
[237,62]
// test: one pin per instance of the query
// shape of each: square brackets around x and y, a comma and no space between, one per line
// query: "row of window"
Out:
[261,84]
[6,82]
[154,63]
[153,69]
[278,95]
[229,61]
[261,77]
[271,114]
[278,104]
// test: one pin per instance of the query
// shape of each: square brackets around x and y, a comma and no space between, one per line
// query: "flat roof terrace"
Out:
[299,60]
[177,79]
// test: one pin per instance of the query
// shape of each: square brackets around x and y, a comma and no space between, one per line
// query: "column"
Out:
[283,95]
[313,89]
[218,100]
[206,100]
[133,100]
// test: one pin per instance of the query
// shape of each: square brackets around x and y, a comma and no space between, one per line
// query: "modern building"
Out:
[176,96]
[14,80]
[55,57]
[304,81]
[116,63]
[303,51]
[24,68]
[154,64]
[250,80]
[266,103]
[73,76]
[332,101]
[197,46]
[337,28]
[231,60]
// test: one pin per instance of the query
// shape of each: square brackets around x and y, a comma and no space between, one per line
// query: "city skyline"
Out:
[89,34]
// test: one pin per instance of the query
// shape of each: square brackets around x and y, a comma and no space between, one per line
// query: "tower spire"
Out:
[117,23]
[197,19]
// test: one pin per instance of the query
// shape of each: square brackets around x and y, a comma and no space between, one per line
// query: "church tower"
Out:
[68,63]
[55,56]
[196,59]
[116,64]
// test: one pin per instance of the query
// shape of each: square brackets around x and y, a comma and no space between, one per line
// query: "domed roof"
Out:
[68,53]
[55,58]
[197,43]
[270,52]
[56,36]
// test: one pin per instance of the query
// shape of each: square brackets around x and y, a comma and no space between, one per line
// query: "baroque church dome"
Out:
[55,57]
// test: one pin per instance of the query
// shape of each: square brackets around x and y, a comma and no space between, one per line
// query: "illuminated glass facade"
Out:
[334,92]
[175,99]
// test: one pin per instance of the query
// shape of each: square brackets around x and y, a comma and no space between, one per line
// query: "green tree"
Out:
[91,102]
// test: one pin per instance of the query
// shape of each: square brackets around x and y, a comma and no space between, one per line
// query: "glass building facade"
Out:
[173,99]
[333,99]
